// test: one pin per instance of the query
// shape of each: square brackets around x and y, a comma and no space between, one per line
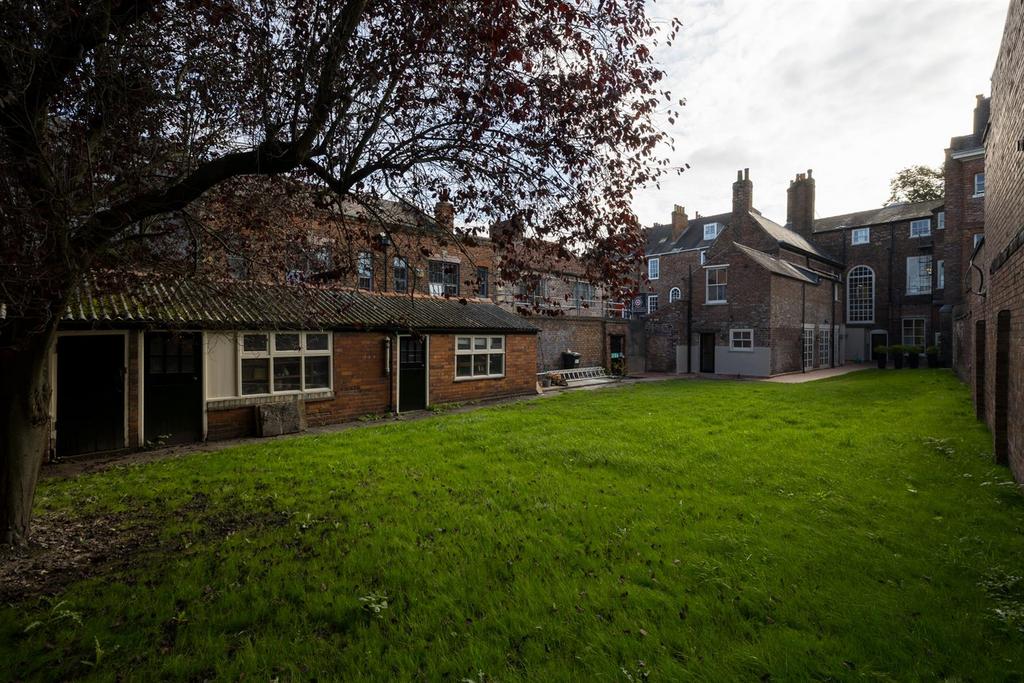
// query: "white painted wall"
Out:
[221,365]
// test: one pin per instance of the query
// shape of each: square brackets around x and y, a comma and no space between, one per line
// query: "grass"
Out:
[849,528]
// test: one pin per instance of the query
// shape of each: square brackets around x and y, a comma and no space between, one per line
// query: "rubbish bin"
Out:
[570,360]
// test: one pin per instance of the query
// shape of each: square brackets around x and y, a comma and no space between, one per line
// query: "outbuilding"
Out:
[153,362]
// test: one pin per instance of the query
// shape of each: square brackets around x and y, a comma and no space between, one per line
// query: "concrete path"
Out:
[801,377]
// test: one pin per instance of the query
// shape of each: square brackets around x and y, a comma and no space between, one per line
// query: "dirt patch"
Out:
[67,548]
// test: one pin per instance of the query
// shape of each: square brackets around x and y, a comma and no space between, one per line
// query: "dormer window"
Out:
[711,230]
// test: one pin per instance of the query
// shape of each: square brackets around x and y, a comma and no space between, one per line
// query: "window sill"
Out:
[263,399]
[977,196]
[715,303]
[478,378]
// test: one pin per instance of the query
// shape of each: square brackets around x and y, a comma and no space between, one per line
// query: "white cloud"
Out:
[855,89]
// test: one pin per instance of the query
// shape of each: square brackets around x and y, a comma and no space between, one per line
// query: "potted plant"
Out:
[881,355]
[932,353]
[914,356]
[897,355]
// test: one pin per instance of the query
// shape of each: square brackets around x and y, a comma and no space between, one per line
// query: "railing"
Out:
[592,308]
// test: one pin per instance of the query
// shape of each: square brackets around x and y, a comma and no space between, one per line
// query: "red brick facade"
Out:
[997,308]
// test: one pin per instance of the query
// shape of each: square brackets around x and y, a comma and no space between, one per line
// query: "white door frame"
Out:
[398,370]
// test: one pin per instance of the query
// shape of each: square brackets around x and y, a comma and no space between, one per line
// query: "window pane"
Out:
[479,342]
[496,342]
[480,364]
[255,376]
[254,342]
[286,374]
[286,342]
[318,369]
[464,366]
[497,363]
[316,342]
[463,343]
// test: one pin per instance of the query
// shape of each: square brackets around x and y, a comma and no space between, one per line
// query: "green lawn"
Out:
[849,528]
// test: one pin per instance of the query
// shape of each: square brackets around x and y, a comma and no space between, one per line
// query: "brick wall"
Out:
[361,383]
[520,371]
[585,336]
[886,254]
[1003,256]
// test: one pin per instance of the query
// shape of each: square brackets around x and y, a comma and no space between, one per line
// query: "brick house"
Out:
[992,311]
[895,273]
[746,296]
[409,251]
[154,362]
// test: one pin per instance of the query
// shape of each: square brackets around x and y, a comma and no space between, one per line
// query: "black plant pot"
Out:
[880,359]
[933,361]
[914,360]
[897,361]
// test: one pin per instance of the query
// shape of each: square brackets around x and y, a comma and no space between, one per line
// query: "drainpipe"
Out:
[689,319]
[387,373]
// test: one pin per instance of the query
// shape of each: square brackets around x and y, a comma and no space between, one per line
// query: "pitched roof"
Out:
[192,303]
[893,213]
[780,266]
[790,238]
[659,237]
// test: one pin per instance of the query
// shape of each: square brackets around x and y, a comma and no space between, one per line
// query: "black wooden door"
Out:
[412,373]
[173,387]
[90,394]
[707,352]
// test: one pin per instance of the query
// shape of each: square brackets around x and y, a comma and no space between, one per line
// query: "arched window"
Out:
[860,295]
[674,295]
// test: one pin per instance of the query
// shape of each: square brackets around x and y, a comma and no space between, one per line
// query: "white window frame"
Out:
[745,332]
[940,274]
[400,263]
[302,353]
[653,268]
[918,289]
[979,184]
[824,346]
[921,227]
[674,295]
[708,285]
[488,350]
[940,220]
[924,331]
[807,347]
[860,236]
[851,280]
[364,269]
[652,303]
[703,256]
[715,229]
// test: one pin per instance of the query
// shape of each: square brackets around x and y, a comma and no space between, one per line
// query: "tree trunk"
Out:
[24,429]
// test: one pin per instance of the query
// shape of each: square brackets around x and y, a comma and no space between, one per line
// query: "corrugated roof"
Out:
[893,213]
[191,303]
[780,266]
[790,238]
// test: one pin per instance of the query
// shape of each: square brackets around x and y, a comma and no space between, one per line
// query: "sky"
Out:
[854,89]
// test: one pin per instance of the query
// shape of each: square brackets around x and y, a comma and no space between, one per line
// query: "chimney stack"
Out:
[742,194]
[800,204]
[679,221]
[981,115]
[444,214]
